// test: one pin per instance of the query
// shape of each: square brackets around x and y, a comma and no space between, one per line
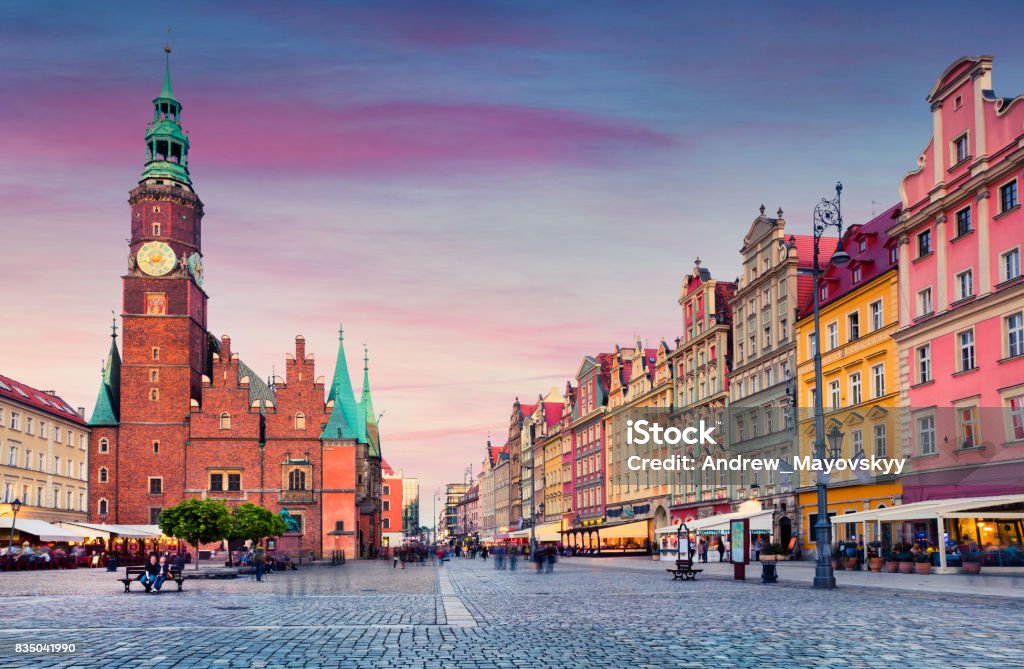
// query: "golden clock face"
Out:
[156,258]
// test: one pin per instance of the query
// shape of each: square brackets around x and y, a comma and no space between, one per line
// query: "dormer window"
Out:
[958,102]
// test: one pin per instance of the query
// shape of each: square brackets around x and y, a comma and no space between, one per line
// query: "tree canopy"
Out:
[196,521]
[255,523]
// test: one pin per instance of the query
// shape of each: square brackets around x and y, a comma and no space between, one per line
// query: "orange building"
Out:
[390,506]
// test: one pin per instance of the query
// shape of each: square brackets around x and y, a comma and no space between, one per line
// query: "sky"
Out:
[482,192]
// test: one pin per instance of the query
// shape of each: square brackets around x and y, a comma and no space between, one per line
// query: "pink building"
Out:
[961,334]
[587,426]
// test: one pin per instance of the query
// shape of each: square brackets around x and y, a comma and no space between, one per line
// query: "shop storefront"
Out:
[632,538]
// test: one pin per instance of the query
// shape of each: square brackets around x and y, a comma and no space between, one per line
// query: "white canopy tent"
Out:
[938,510]
[107,530]
[760,523]
[43,530]
[545,532]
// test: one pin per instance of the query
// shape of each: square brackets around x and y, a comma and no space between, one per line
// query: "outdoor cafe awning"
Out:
[634,530]
[545,532]
[107,530]
[43,530]
[962,507]
[760,523]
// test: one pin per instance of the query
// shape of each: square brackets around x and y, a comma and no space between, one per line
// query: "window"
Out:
[81,471]
[783,330]
[881,440]
[924,302]
[1008,196]
[1010,265]
[963,222]
[924,363]
[967,426]
[877,317]
[28,458]
[156,485]
[855,396]
[155,353]
[853,324]
[104,474]
[29,426]
[216,482]
[42,462]
[225,421]
[104,445]
[101,507]
[769,420]
[878,380]
[385,505]
[926,434]
[385,523]
[12,456]
[1015,334]
[966,340]
[71,500]
[924,243]
[42,429]
[894,255]
[156,447]
[296,479]
[862,246]
[56,465]
[964,284]
[300,421]
[833,392]
[156,229]
[856,442]
[154,376]
[154,394]
[15,420]
[767,336]
[1017,417]
[154,515]
[856,274]
[385,490]
[832,333]
[960,149]
[234,482]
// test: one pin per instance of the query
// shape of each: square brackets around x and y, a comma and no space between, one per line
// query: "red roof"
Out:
[873,261]
[552,413]
[39,400]
[385,468]
[805,260]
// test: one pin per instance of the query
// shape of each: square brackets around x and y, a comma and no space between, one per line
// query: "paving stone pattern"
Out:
[467,614]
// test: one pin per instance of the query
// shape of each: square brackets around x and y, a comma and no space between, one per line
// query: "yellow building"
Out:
[641,387]
[44,461]
[859,312]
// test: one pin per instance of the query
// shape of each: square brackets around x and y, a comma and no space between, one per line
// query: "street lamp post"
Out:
[827,214]
[15,507]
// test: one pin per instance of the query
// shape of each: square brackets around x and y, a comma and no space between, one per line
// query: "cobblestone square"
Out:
[467,614]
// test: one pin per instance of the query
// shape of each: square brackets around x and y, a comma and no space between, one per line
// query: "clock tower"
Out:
[164,320]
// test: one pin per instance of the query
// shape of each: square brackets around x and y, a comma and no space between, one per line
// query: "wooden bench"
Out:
[133,573]
[684,570]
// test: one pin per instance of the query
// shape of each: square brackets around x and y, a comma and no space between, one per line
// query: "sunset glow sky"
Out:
[483,192]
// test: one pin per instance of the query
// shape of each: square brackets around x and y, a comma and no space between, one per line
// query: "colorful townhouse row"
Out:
[922,348]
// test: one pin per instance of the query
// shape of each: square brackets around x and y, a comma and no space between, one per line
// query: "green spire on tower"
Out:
[167,144]
[345,415]
[371,432]
[108,401]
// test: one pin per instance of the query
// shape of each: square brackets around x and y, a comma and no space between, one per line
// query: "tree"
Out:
[197,521]
[254,523]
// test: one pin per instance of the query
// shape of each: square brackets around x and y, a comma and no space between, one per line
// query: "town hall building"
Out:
[179,415]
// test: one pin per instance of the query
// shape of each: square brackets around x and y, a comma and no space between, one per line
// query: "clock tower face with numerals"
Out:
[156,258]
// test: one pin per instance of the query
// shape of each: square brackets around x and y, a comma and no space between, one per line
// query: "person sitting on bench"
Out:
[155,574]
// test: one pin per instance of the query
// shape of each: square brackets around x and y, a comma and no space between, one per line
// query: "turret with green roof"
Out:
[346,416]
[108,402]
[166,143]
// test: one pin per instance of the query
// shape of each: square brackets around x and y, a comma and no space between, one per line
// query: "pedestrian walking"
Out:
[758,547]
[483,553]
[513,555]
[721,549]
[705,544]
[728,548]
[550,561]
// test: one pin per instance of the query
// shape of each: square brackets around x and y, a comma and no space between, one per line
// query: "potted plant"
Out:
[970,562]
[875,556]
[906,563]
[923,563]
[850,559]
[837,557]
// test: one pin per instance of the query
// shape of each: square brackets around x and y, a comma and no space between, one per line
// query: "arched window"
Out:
[103,474]
[102,506]
[296,479]
[104,445]
[300,421]
[225,421]
[154,394]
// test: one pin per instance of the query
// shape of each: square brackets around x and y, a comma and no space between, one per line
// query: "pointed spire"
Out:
[344,420]
[166,92]
[106,412]
[371,431]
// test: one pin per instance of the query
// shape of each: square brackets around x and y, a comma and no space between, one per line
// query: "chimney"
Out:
[81,412]
[225,348]
[300,347]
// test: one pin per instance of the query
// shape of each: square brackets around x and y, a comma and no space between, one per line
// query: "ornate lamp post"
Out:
[15,507]
[827,214]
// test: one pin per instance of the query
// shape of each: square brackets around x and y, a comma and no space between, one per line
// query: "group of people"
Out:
[158,570]
[701,547]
